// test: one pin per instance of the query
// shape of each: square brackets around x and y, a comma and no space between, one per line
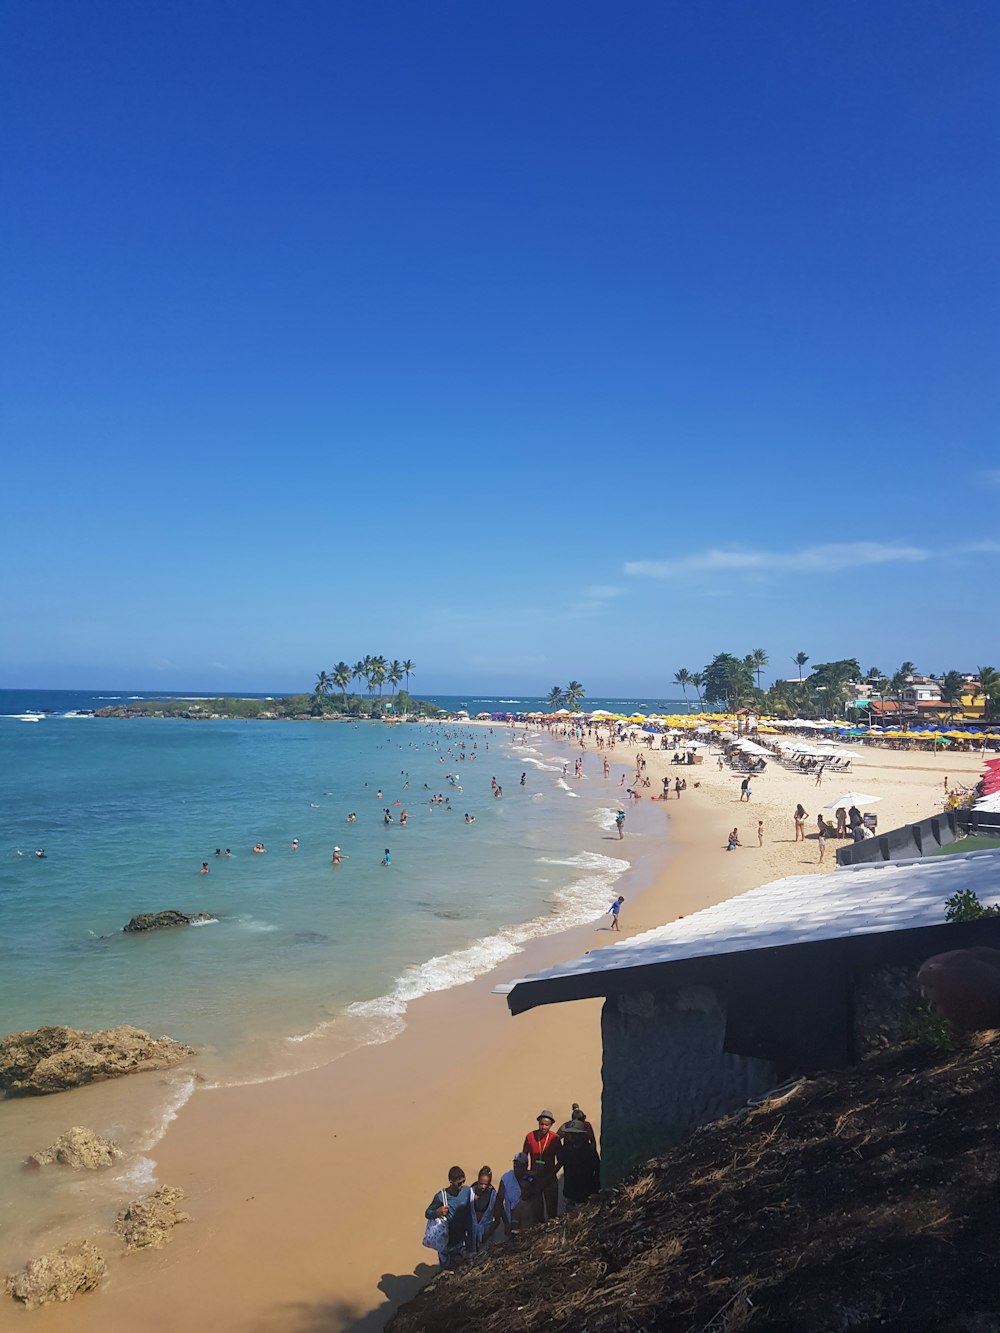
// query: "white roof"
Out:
[852,900]
[990,803]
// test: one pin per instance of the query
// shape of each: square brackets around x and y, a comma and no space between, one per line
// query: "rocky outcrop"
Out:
[146,1223]
[164,921]
[80,1148]
[57,1277]
[52,1059]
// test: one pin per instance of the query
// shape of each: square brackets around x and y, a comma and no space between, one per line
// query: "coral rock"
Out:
[51,1059]
[57,1277]
[147,1223]
[81,1148]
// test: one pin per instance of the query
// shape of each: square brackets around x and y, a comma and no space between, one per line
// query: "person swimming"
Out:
[387,859]
[204,868]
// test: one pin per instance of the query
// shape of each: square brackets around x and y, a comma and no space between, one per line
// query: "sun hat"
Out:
[336,849]
[545,1115]
[574,1126]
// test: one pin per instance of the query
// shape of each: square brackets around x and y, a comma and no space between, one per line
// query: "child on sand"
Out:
[615,910]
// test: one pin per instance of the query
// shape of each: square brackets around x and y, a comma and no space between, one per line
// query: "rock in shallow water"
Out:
[146,1223]
[79,1147]
[51,1059]
[164,921]
[57,1277]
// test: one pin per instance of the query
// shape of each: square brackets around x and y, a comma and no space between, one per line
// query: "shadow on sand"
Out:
[335,1316]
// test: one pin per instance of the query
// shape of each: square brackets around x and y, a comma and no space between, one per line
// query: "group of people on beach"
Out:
[528,1193]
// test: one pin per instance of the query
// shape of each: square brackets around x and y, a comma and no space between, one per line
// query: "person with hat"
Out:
[577,1114]
[580,1162]
[542,1146]
[512,1184]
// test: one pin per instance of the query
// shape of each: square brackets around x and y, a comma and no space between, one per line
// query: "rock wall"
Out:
[665,1073]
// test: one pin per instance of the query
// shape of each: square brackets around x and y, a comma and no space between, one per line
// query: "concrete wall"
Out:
[665,1072]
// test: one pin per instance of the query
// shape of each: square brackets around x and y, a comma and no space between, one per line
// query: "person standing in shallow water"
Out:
[456,1206]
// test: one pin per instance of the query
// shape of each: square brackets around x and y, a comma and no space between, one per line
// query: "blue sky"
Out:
[526,340]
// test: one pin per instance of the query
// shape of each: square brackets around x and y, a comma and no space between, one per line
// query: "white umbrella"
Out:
[851,798]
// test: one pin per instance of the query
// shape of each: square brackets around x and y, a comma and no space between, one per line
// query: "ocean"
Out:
[303,960]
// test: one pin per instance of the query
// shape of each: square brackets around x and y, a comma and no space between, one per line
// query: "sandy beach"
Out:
[307,1193]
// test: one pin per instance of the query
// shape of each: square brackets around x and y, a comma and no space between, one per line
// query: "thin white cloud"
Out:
[987,547]
[810,560]
[602,591]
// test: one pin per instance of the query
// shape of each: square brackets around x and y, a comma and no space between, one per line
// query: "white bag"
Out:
[436,1230]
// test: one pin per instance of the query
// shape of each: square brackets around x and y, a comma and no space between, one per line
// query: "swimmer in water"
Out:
[337,856]
[387,859]
[352,818]
[204,868]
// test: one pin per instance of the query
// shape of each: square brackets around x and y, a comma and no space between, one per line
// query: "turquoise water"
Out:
[127,812]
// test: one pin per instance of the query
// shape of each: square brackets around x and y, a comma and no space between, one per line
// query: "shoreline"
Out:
[306,1191]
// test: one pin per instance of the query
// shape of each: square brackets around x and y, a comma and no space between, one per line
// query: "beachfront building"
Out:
[803,974]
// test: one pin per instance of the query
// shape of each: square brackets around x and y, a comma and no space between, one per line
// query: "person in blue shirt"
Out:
[387,859]
[615,910]
[455,1203]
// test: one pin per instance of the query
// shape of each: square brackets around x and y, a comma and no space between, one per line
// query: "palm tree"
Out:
[760,661]
[952,689]
[394,674]
[696,680]
[379,669]
[989,683]
[360,672]
[683,679]
[573,694]
[342,677]
[554,697]
[800,659]
[408,670]
[321,691]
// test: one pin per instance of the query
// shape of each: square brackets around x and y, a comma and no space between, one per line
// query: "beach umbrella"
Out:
[851,798]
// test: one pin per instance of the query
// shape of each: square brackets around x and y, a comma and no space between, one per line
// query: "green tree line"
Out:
[732,683]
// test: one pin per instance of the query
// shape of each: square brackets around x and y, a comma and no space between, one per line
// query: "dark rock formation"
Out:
[57,1277]
[147,1223]
[52,1059]
[164,920]
[80,1148]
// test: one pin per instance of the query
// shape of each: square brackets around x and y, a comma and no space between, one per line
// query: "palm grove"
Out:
[376,673]
[733,683]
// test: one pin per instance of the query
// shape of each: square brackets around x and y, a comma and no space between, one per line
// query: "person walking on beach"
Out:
[484,1199]
[800,818]
[745,789]
[620,823]
[678,788]
[615,910]
[821,842]
[819,775]
[542,1147]
[760,833]
[454,1203]
[666,787]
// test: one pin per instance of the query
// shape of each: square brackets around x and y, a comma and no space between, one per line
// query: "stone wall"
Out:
[665,1073]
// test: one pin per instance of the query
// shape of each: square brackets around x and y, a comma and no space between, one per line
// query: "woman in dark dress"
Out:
[580,1162]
